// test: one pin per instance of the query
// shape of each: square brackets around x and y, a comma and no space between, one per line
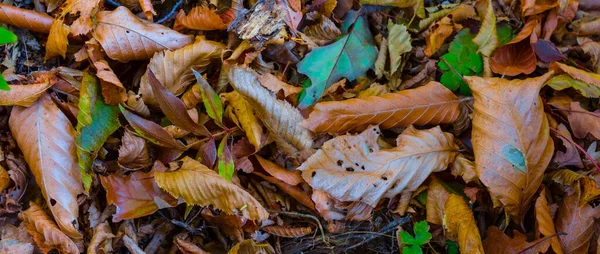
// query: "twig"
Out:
[389,227]
[301,215]
[541,241]
[589,157]
[112,3]
[171,13]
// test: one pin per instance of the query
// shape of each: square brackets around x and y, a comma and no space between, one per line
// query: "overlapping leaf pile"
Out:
[289,126]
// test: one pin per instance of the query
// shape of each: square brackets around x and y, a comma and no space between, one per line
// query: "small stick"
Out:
[301,215]
[171,13]
[386,229]
[541,241]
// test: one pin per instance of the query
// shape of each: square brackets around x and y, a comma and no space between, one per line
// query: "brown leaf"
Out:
[439,33]
[513,150]
[47,141]
[288,232]
[533,7]
[113,91]
[465,168]
[101,240]
[274,85]
[57,40]
[570,156]
[242,114]
[496,242]
[429,104]
[279,117]
[517,56]
[544,222]
[134,194]
[200,18]
[290,177]
[23,95]
[125,37]
[587,77]
[436,201]
[199,185]
[578,222]
[4,179]
[589,27]
[86,9]
[461,226]
[152,131]
[583,122]
[26,19]
[250,247]
[133,152]
[353,168]
[324,32]
[293,191]
[132,245]
[45,233]
[147,8]
[187,247]
[173,68]
[136,103]
[592,48]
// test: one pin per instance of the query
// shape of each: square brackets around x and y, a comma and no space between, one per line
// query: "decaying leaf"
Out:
[86,10]
[288,232]
[113,91]
[429,104]
[101,240]
[44,231]
[125,37]
[512,150]
[399,43]
[577,221]
[47,140]
[354,168]
[517,56]
[188,247]
[57,40]
[209,188]
[460,225]
[133,152]
[201,18]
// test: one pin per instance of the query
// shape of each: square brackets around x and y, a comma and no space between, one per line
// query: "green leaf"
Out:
[6,36]
[412,249]
[211,99]
[96,121]
[3,85]
[422,235]
[406,238]
[505,34]
[349,57]
[565,81]
[461,60]
[452,247]
[225,165]
[422,197]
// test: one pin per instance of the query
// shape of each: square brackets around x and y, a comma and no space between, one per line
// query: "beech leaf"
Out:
[201,18]
[577,221]
[517,56]
[47,140]
[57,40]
[26,19]
[512,150]
[349,57]
[429,104]
[23,95]
[245,117]
[199,185]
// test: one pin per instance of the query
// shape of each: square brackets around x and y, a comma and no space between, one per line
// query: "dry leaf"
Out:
[517,56]
[26,19]
[439,33]
[23,95]
[47,140]
[101,240]
[353,168]
[578,222]
[496,242]
[173,68]
[324,32]
[187,247]
[293,191]
[86,9]
[544,222]
[587,77]
[589,28]
[461,226]
[512,150]
[487,38]
[147,8]
[288,232]
[533,7]
[570,156]
[290,177]
[57,40]
[465,168]
[125,37]
[429,104]
[133,152]
[45,233]
[250,247]
[436,201]
[274,85]
[199,185]
[200,18]
[113,91]
[244,114]
[4,179]
[278,116]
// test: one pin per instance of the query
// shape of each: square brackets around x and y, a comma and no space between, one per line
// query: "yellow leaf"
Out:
[199,185]
[246,117]
[487,38]
[57,40]
[147,8]
[438,35]
[250,247]
[461,226]
[544,222]
[465,168]
[45,233]
[512,150]
[4,179]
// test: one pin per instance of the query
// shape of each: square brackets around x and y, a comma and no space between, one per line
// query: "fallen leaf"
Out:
[293,191]
[225,165]
[544,223]
[44,231]
[210,99]
[244,115]
[592,48]
[436,201]
[23,95]
[429,104]
[26,19]
[399,42]
[496,242]
[517,56]
[290,177]
[439,33]
[487,38]
[274,85]
[151,131]
[349,57]
[132,245]
[209,188]
[587,77]
[278,116]
[547,51]
[147,8]
[588,27]
[188,247]
[583,122]
[134,195]
[133,152]
[325,6]
[570,156]
[461,226]
[4,179]
[173,68]
[577,221]
[323,32]
[464,168]
[113,91]
[125,37]
[513,150]
[200,18]
[96,121]
[57,40]
[353,168]
[533,7]
[288,232]
[47,140]
[86,10]
[136,103]
[564,176]
[263,23]
[248,246]
[564,81]
[101,241]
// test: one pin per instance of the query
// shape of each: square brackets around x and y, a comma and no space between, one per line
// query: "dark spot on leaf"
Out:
[356,164]
[127,31]
[313,173]
[350,169]
[340,162]
[384,178]
[362,167]
[394,186]
[370,150]
[375,185]
[52,202]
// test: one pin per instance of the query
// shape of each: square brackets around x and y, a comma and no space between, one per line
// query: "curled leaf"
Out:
[23,95]
[57,40]
[288,232]
[201,18]
[26,19]
[45,233]
[517,56]
[246,118]
[461,226]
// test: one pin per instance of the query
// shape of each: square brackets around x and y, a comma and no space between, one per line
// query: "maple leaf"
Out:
[461,60]
[349,57]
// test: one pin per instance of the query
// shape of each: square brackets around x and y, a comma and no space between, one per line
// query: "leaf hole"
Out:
[313,173]
[340,162]
[350,169]
[383,177]
[52,202]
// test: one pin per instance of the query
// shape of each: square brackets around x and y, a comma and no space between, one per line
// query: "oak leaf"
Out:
[199,185]
[125,37]
[23,95]
[44,231]
[134,195]
[279,117]
[429,104]
[461,226]
[57,40]
[47,139]
[354,168]
[544,223]
[512,150]
[289,232]
[200,18]
[517,56]
[243,114]
[173,68]
[577,221]
[26,19]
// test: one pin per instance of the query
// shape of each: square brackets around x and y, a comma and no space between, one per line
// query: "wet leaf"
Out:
[23,95]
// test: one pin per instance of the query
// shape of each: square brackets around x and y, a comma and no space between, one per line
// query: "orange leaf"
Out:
[133,152]
[45,233]
[4,179]
[125,37]
[517,56]
[275,84]
[57,40]
[200,18]
[429,104]
[532,7]
[134,194]
[113,91]
[461,226]
[290,177]
[578,222]
[248,246]
[496,242]
[287,231]
[147,8]
[188,247]
[86,9]
[26,19]
[438,34]
[512,150]
[23,95]
[293,191]
[101,241]
[436,201]
[544,222]
[47,139]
